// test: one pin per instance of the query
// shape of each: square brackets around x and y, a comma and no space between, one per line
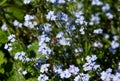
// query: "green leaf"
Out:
[2,70]
[17,12]
[3,37]
[34,49]
[16,47]
[2,60]
[78,60]
[2,2]
[16,77]
[32,79]
[34,46]
[87,48]
[18,2]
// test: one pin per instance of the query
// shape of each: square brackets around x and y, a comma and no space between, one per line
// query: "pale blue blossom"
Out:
[64,41]
[27,1]
[78,13]
[28,17]
[91,64]
[77,78]
[43,49]
[107,36]
[112,50]
[62,16]
[115,37]
[24,72]
[44,68]
[98,31]
[8,46]
[119,66]
[17,23]
[47,27]
[73,70]
[85,77]
[43,39]
[97,44]
[57,68]
[28,23]
[106,75]
[82,77]
[60,35]
[114,44]
[97,2]
[4,27]
[80,20]
[43,77]
[21,56]
[106,7]
[78,50]
[53,1]
[65,74]
[11,38]
[109,15]
[51,15]
[91,58]
[95,19]
[61,1]
[116,77]
[118,9]
[82,31]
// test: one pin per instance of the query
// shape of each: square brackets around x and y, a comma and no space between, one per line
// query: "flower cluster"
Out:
[91,64]
[29,21]
[108,76]
[67,73]
[54,40]
[82,76]
[11,39]
[21,56]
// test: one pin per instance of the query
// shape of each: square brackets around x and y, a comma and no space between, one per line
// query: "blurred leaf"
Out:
[3,37]
[17,47]
[2,60]
[16,12]
[87,48]
[32,79]
[33,48]
[78,60]
[2,70]
[18,2]
[16,77]
[2,2]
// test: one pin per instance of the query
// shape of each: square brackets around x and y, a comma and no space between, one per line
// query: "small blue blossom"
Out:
[97,2]
[43,77]
[51,15]
[82,77]
[27,1]
[106,7]
[4,27]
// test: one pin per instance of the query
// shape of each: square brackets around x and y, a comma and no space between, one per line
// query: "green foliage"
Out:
[16,12]
[3,37]
[2,60]
[16,77]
